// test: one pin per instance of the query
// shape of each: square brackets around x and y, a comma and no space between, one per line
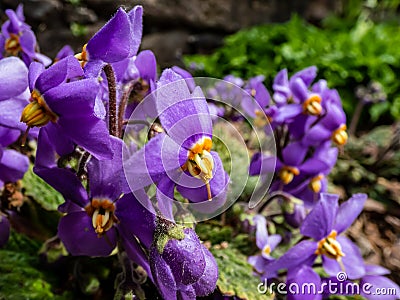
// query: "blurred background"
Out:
[171,27]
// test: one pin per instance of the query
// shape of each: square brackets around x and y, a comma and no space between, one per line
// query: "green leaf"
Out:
[40,191]
[235,275]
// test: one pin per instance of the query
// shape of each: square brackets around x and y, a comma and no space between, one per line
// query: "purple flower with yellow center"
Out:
[184,269]
[117,40]
[324,224]
[266,243]
[92,219]
[282,85]
[182,154]
[332,127]
[17,39]
[62,106]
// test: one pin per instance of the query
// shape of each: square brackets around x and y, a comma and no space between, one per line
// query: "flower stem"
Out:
[356,118]
[122,107]
[112,101]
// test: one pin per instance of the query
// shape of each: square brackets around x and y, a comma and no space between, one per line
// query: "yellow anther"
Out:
[12,45]
[287,173]
[330,247]
[83,57]
[339,136]
[200,163]
[102,213]
[37,113]
[267,250]
[312,105]
[315,183]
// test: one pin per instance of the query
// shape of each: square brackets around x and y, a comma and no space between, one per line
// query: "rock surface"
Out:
[172,27]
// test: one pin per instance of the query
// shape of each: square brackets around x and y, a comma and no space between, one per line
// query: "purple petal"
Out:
[35,69]
[186,292]
[91,134]
[113,41]
[8,136]
[51,139]
[64,52]
[261,231]
[183,115]
[158,156]
[187,76]
[106,176]
[147,65]
[11,111]
[136,253]
[352,261]
[66,182]
[287,112]
[376,270]
[185,257]
[319,222]
[316,135]
[208,281]
[308,283]
[378,288]
[57,74]
[299,89]
[13,165]
[165,197]
[162,274]
[307,75]
[27,41]
[136,217]
[294,154]
[302,253]
[72,99]
[261,164]
[13,70]
[135,16]
[77,234]
[349,211]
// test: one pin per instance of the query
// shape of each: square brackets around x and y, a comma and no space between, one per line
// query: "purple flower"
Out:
[265,243]
[324,224]
[379,286]
[63,109]
[185,269]
[282,86]
[257,98]
[13,166]
[117,40]
[185,146]
[63,53]
[17,39]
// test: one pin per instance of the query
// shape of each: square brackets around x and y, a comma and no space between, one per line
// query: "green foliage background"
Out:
[347,55]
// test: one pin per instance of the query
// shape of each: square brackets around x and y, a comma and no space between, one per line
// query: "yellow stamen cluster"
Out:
[102,213]
[37,113]
[200,163]
[83,57]
[312,105]
[287,173]
[315,183]
[339,136]
[266,250]
[330,247]
[12,45]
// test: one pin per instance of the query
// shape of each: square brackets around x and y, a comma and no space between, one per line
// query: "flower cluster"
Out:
[72,113]
[135,157]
